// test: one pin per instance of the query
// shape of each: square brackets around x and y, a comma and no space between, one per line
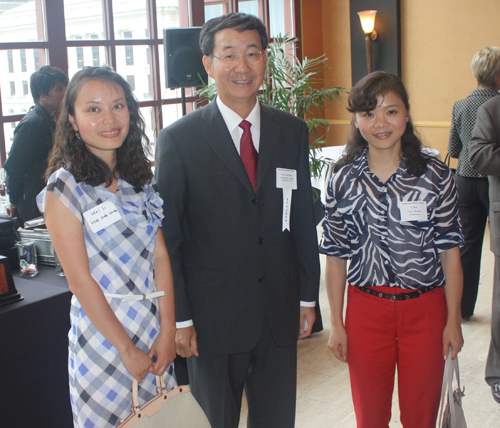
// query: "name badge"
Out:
[101,216]
[413,211]
[286,179]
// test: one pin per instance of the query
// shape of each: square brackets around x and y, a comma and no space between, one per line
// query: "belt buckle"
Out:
[393,297]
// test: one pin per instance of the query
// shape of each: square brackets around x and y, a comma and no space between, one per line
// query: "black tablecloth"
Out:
[34,388]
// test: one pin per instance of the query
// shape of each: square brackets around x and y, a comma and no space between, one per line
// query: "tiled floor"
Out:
[323,391]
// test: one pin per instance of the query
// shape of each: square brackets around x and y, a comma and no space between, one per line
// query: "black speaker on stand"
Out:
[183,60]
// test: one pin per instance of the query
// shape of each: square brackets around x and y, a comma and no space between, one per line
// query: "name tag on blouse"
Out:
[413,211]
[101,216]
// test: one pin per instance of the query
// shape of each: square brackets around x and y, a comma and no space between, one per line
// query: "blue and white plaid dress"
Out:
[120,258]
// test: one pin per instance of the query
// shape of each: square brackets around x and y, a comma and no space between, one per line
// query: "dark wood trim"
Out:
[24,45]
[197,13]
[297,25]
[56,34]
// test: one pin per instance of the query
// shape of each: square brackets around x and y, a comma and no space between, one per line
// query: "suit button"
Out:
[261,280]
[254,201]
[261,240]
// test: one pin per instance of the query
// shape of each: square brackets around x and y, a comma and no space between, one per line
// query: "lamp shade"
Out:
[367,18]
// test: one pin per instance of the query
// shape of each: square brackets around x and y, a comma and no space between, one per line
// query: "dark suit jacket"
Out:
[27,160]
[233,265]
[484,150]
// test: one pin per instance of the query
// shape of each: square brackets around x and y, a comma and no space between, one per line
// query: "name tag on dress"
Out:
[286,179]
[413,211]
[101,216]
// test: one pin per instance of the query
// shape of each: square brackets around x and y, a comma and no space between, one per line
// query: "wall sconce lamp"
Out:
[367,18]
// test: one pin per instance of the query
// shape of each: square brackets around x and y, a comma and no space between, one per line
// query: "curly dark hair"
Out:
[71,152]
[363,98]
[239,21]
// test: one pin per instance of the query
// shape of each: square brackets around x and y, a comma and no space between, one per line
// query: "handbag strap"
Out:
[447,376]
[451,398]
[160,385]
[450,369]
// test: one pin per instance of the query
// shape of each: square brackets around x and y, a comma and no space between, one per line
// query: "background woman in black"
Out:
[473,201]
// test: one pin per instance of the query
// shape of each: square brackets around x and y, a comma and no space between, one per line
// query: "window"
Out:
[129,55]
[25,87]
[131,82]
[22,52]
[13,124]
[79,57]
[36,59]
[85,36]
[10,60]
[147,94]
[95,56]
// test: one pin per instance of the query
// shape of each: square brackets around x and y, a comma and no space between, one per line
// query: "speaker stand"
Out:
[183,100]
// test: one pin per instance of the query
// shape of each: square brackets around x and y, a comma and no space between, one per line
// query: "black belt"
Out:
[402,296]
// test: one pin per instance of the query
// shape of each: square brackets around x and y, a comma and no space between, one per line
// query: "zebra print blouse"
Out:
[363,224]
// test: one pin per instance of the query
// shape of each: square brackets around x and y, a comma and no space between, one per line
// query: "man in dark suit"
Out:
[484,151]
[241,235]
[27,161]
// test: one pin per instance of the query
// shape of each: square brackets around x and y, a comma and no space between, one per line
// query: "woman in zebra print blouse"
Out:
[392,212]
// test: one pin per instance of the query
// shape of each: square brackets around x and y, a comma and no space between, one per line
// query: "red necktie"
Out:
[249,155]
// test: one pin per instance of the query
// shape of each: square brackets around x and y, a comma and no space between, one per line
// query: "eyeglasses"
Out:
[251,57]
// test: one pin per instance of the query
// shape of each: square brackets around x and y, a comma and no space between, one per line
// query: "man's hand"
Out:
[307,318]
[186,343]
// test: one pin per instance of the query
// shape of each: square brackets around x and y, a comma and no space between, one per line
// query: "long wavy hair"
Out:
[71,152]
[363,98]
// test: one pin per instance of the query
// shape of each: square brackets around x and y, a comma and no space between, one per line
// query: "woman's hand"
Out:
[452,336]
[337,342]
[137,362]
[164,350]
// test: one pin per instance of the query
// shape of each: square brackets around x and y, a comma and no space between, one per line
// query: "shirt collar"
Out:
[233,119]
[483,92]
[363,165]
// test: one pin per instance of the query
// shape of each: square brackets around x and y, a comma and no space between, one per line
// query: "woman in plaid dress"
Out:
[104,214]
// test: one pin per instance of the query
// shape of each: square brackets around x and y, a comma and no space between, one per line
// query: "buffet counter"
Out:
[34,388]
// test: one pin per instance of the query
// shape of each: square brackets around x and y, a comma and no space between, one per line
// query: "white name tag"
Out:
[101,216]
[413,211]
[286,179]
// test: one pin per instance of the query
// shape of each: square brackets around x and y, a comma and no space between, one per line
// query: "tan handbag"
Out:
[451,414]
[175,408]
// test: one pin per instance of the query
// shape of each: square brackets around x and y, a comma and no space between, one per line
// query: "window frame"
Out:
[53,50]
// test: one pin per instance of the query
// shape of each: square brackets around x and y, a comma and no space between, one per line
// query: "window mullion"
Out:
[109,30]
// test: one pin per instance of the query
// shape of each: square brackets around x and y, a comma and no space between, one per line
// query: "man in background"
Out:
[30,150]
[484,150]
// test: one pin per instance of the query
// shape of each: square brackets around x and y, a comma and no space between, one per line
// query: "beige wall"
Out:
[439,39]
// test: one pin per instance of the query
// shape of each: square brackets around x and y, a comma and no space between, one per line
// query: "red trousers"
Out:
[383,335]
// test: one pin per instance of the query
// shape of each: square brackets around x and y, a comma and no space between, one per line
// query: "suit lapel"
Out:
[217,136]
[269,131]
